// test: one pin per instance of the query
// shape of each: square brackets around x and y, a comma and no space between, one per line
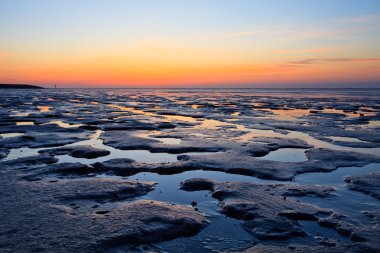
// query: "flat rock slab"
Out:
[296,248]
[125,140]
[93,188]
[241,162]
[369,184]
[270,211]
[42,140]
[28,162]
[88,152]
[3,153]
[37,216]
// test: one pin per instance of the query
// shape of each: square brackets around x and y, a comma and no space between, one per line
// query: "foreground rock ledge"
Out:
[369,184]
[270,211]
[294,248]
[41,216]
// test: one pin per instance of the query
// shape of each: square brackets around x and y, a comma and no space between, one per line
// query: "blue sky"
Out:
[153,42]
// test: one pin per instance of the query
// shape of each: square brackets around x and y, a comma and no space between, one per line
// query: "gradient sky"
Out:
[190,43]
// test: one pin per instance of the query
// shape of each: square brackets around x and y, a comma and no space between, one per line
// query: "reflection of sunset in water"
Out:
[44,108]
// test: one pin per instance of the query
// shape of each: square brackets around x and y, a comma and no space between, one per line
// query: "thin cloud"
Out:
[226,35]
[307,50]
[313,61]
[357,19]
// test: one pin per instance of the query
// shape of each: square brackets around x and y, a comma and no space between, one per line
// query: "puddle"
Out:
[199,135]
[44,108]
[132,110]
[346,139]
[169,141]
[141,112]
[223,233]
[374,124]
[288,114]
[314,229]
[155,136]
[348,202]
[9,135]
[323,144]
[212,124]
[180,118]
[24,123]
[167,188]
[252,133]
[338,111]
[335,178]
[286,155]
[63,124]
[20,114]
[143,156]
[20,153]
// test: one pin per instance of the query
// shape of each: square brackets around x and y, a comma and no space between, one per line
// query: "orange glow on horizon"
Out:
[171,71]
[171,48]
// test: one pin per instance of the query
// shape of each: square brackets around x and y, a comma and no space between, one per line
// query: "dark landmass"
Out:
[19,86]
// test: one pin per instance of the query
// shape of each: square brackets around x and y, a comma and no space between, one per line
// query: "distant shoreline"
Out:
[19,86]
[209,88]
[29,86]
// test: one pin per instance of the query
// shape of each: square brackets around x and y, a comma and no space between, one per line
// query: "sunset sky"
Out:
[190,43]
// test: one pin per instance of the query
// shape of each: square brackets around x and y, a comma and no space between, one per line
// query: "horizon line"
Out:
[371,85]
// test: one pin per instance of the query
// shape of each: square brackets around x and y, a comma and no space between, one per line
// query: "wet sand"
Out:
[114,170]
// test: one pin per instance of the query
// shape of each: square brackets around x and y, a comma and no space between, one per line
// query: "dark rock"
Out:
[41,140]
[124,141]
[3,153]
[298,248]
[28,162]
[369,184]
[249,202]
[43,209]
[78,151]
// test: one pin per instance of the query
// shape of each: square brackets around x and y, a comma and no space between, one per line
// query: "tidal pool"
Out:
[293,155]
[232,119]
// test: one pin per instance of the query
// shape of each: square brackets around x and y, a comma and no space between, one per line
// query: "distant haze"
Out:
[191,43]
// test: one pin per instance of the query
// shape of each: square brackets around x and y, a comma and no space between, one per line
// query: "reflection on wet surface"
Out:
[374,124]
[211,118]
[63,124]
[169,141]
[9,135]
[345,139]
[44,108]
[20,114]
[286,155]
[348,202]
[290,114]
[24,123]
[20,153]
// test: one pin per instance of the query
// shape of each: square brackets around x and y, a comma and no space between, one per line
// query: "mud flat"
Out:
[174,171]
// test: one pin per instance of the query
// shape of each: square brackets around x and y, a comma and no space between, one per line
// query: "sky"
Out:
[190,43]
